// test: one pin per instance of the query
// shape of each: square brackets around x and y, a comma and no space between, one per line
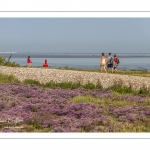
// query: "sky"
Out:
[75,35]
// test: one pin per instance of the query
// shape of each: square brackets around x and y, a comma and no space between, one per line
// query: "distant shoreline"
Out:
[73,55]
[7,52]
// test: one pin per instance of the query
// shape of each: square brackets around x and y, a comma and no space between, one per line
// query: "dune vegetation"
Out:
[29,106]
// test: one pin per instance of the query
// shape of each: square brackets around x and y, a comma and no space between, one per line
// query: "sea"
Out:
[128,61]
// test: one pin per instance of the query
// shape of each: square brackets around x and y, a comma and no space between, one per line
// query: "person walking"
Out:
[29,61]
[103,63]
[110,62]
[116,62]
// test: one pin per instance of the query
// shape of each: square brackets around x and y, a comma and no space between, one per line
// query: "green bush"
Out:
[3,62]
[143,91]
[11,64]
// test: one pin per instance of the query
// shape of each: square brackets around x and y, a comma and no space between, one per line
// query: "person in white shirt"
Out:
[103,63]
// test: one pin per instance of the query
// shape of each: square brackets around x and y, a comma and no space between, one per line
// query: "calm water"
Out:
[83,61]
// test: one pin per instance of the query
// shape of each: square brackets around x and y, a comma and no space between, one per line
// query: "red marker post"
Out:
[45,64]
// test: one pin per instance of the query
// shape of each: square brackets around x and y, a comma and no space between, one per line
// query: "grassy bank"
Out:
[69,85]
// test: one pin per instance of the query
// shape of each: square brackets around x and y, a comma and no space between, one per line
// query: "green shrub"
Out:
[10,64]
[7,63]
[143,91]
[2,60]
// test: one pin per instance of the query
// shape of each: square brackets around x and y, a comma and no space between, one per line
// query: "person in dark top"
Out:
[110,62]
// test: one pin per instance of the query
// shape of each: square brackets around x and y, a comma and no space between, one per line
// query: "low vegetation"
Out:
[4,62]
[69,85]
[8,78]
[32,108]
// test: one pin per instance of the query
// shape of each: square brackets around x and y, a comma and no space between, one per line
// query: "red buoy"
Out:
[45,64]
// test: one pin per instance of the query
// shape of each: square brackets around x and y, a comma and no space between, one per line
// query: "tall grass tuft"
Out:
[64,85]
[8,78]
[143,91]
[121,89]
[128,90]
[30,81]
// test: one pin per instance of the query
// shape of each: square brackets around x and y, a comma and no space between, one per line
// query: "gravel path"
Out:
[44,75]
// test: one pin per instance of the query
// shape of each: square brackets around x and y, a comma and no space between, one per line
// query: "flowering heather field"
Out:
[31,108]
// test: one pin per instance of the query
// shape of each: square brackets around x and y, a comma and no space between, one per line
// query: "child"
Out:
[29,61]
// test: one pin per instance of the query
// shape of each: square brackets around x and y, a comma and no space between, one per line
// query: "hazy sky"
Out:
[75,35]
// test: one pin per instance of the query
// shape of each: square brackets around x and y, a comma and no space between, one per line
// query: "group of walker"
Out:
[111,62]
